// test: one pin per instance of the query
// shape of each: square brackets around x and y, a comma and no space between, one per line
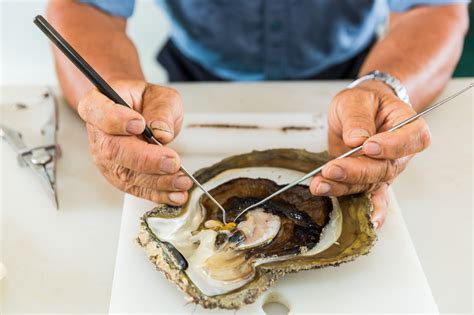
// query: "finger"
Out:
[363,170]
[356,110]
[410,139]
[163,111]
[168,183]
[98,110]
[407,140]
[324,187]
[134,154]
[170,198]
[380,201]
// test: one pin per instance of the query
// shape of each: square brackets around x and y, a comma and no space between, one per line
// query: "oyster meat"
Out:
[229,265]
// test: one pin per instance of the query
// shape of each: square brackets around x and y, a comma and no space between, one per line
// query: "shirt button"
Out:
[275,25]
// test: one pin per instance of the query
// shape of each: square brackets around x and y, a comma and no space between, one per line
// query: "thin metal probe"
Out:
[105,88]
[185,171]
[356,149]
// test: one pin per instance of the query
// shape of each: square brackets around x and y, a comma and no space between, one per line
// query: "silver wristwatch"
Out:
[389,80]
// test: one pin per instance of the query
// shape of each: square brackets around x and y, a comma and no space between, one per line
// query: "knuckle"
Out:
[340,99]
[401,150]
[163,93]
[392,170]
[155,182]
[166,183]
[358,92]
[124,174]
[173,94]
[106,171]
[160,197]
[393,147]
[389,170]
[109,147]
[372,187]
[363,175]
[359,118]
[141,192]
[354,189]
[178,124]
[141,163]
[342,94]
[342,189]
[338,190]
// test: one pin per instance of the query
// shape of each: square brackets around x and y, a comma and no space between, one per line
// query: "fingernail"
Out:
[375,224]
[176,197]
[336,172]
[359,133]
[158,125]
[183,182]
[135,126]
[372,148]
[169,165]
[323,188]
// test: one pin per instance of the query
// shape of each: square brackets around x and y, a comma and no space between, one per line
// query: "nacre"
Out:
[227,266]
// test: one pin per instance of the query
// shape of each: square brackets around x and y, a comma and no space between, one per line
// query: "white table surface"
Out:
[63,261]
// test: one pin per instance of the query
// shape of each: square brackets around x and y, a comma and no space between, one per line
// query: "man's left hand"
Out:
[361,115]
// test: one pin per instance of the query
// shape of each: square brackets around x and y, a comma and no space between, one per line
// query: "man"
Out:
[265,40]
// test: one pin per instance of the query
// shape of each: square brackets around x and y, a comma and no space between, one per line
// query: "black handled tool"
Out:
[104,88]
[82,65]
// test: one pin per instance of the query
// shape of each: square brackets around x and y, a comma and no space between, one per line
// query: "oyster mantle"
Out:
[355,235]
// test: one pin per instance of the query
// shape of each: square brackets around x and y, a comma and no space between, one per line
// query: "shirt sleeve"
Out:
[404,5]
[123,8]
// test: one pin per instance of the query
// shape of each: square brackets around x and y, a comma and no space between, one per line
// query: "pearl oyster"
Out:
[227,266]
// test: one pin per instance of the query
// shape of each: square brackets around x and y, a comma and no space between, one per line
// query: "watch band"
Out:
[389,80]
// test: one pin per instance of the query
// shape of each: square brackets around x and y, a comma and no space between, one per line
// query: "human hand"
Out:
[128,162]
[355,116]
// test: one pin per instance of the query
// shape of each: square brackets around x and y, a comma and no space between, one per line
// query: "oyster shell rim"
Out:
[163,255]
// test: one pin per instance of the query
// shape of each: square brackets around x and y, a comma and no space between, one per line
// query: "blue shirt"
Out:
[271,39]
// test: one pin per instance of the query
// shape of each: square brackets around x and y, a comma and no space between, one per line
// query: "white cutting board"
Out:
[389,280]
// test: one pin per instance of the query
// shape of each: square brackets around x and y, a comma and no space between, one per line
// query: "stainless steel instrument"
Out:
[350,152]
[196,182]
[42,158]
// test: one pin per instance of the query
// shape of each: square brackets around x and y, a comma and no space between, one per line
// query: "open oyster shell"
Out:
[340,230]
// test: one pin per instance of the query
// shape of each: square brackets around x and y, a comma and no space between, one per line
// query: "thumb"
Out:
[113,119]
[163,112]
[356,110]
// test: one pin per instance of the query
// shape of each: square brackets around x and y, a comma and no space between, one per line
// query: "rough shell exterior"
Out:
[357,237]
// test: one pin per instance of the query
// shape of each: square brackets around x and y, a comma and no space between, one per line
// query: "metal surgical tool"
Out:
[357,149]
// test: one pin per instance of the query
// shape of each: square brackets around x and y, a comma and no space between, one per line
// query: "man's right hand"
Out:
[127,161]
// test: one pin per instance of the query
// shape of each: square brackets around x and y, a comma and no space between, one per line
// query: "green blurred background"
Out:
[465,67]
